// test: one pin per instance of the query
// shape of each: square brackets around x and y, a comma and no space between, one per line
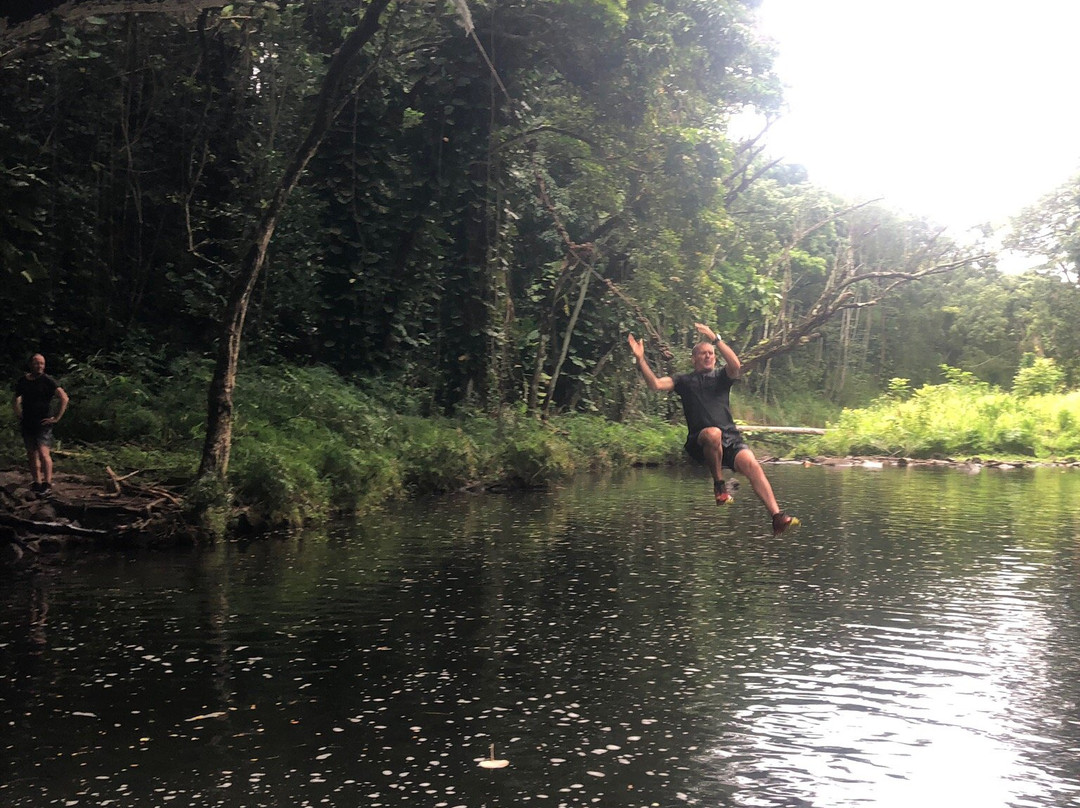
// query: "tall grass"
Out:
[961,417]
[307,444]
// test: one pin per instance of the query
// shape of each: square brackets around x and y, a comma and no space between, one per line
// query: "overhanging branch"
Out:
[839,296]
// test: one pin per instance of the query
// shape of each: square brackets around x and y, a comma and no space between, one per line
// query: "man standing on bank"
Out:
[34,392]
[713,438]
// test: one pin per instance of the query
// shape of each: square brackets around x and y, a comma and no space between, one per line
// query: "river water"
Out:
[621,642]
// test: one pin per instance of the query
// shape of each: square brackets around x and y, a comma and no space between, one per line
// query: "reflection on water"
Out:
[621,642]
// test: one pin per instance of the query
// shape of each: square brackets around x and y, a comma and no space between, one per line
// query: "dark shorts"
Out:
[732,445]
[37,436]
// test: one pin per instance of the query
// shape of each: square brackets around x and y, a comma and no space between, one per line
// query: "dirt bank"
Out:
[84,512]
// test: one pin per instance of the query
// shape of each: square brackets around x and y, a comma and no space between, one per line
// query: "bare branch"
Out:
[839,295]
[901,275]
[745,181]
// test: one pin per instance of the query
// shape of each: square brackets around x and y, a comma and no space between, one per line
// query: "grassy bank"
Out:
[307,444]
[961,418]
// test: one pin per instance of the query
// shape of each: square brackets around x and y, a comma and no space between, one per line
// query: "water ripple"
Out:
[620,642]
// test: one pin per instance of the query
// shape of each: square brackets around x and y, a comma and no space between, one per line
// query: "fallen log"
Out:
[787,430]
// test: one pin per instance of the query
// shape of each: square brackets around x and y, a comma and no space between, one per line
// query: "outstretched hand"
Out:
[637,346]
[705,331]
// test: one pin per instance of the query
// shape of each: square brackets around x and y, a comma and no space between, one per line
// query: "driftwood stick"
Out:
[149,507]
[161,493]
[786,430]
[113,484]
[52,528]
[152,490]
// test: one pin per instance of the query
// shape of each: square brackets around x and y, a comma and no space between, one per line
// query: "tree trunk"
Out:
[533,400]
[331,99]
[586,276]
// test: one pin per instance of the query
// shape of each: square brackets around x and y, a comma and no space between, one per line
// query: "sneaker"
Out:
[44,489]
[36,488]
[722,496]
[781,522]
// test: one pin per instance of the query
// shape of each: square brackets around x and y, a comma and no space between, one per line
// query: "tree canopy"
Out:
[481,217]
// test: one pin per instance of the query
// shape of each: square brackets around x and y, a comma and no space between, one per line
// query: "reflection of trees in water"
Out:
[38,614]
[596,634]
[27,603]
[211,577]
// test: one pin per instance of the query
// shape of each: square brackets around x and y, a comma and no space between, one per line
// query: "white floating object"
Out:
[492,763]
[205,716]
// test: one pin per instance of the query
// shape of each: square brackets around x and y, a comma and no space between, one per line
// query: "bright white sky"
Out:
[962,111]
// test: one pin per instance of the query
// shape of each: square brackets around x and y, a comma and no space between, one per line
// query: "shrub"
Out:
[111,408]
[357,480]
[899,389]
[957,418]
[1038,376]
[597,442]
[277,488]
[436,455]
[207,506]
[536,456]
[1013,433]
[279,395]
[654,442]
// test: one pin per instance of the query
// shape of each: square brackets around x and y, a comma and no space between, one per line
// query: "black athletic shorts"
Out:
[732,445]
[39,436]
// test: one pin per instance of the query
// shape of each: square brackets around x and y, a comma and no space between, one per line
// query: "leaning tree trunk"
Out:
[332,98]
[585,278]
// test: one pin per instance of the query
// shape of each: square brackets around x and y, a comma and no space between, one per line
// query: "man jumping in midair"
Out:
[712,437]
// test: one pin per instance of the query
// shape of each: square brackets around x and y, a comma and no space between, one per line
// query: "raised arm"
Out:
[663,383]
[732,365]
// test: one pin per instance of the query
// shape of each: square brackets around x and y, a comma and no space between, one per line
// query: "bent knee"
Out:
[746,461]
[711,435]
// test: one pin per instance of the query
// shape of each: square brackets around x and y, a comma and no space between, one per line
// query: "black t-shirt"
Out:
[37,394]
[706,400]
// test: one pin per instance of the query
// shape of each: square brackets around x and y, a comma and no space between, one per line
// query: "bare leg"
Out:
[35,464]
[711,440]
[746,463]
[45,453]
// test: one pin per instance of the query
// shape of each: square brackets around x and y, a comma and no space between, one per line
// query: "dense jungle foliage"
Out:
[476,230]
[310,444]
